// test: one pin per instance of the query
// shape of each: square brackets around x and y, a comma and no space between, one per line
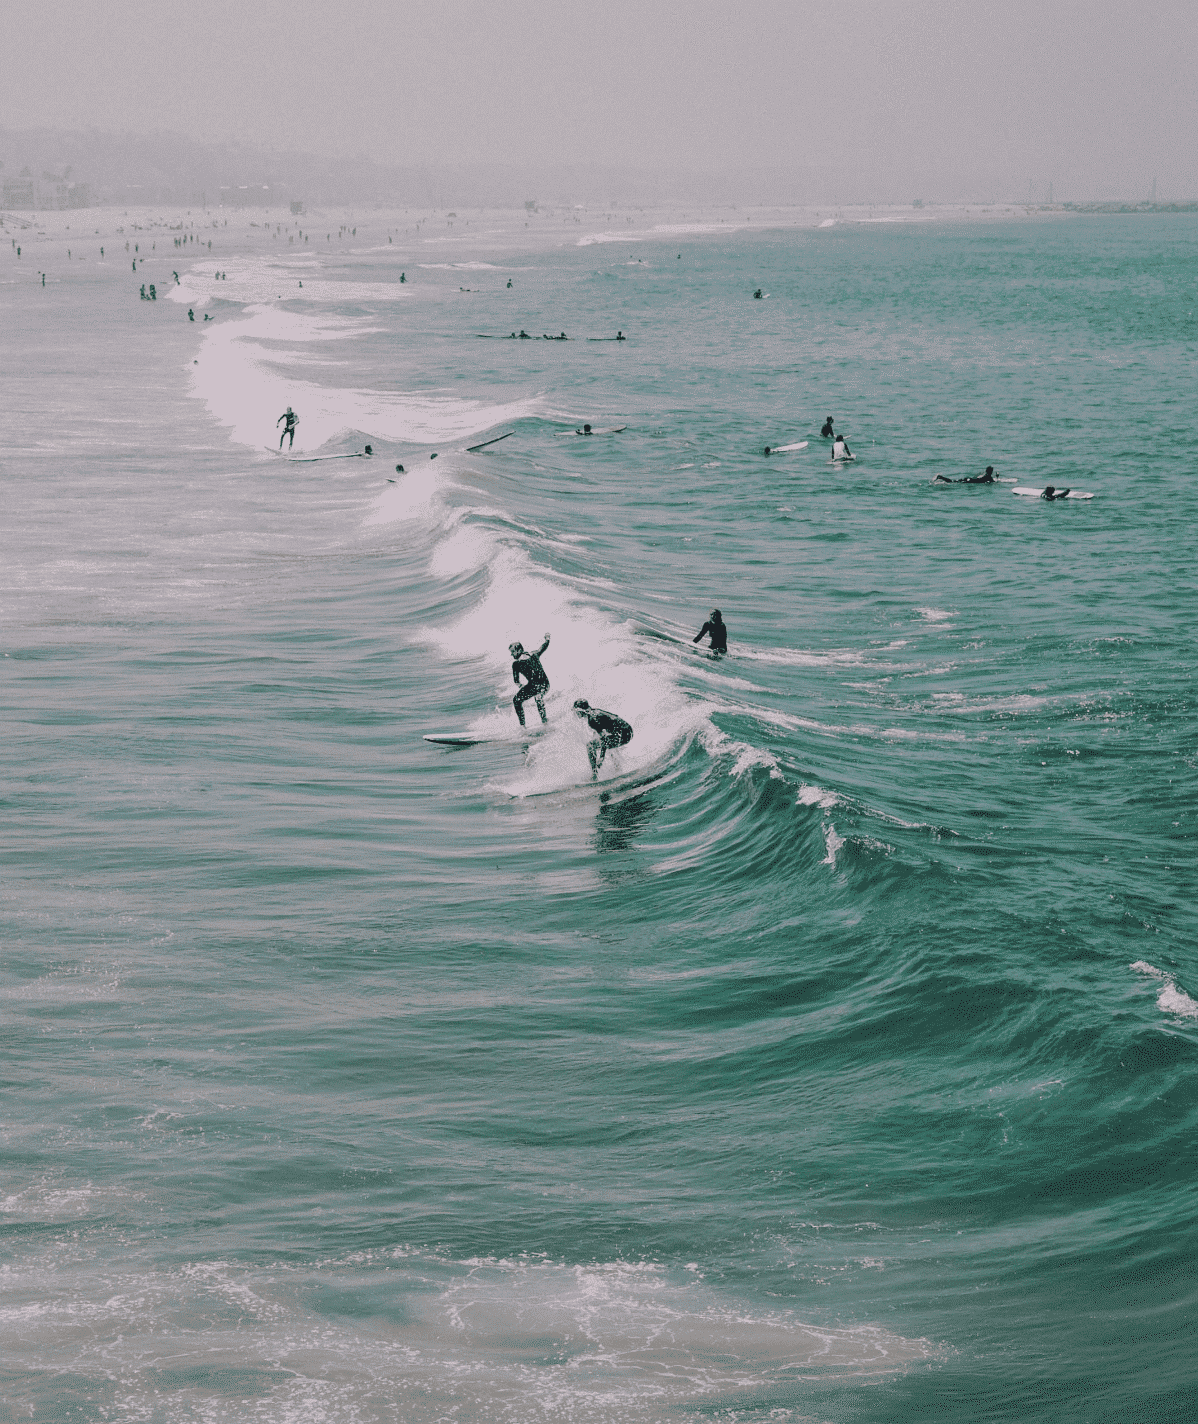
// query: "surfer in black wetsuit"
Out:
[537,684]
[1051,492]
[840,448]
[718,629]
[611,731]
[826,430]
[292,420]
[989,478]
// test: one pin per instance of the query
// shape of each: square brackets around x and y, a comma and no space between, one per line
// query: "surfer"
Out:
[509,282]
[989,478]
[292,420]
[718,629]
[537,684]
[1051,492]
[826,430]
[611,731]
[586,430]
[840,449]
[620,336]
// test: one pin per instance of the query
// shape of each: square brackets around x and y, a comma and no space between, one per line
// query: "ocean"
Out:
[831,1056]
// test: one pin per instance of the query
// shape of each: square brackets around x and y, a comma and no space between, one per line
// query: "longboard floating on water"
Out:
[1039,493]
[470,449]
[785,449]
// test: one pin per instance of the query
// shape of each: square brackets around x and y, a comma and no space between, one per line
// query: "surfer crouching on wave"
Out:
[292,420]
[610,731]
[536,684]
[718,629]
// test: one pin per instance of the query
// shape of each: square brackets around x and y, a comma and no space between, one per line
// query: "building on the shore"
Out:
[20,192]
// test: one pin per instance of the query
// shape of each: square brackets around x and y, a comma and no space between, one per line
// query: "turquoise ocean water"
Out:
[831,1059]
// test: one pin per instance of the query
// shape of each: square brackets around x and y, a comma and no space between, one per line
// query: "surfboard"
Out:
[785,449]
[1036,493]
[842,459]
[312,459]
[470,449]
[476,739]
[607,430]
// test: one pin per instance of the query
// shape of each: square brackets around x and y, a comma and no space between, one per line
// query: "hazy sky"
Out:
[922,95]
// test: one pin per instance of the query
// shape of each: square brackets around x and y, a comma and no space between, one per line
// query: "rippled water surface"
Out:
[831,1058]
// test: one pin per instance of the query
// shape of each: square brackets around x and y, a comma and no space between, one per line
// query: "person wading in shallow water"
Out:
[610,731]
[536,684]
[292,420]
[718,630]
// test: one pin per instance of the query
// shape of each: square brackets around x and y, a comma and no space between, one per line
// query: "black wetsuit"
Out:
[719,635]
[612,732]
[827,432]
[537,684]
[966,480]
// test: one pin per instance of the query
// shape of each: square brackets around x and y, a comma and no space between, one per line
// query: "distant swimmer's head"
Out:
[581,706]
[515,649]
[989,469]
[716,616]
[399,469]
[586,429]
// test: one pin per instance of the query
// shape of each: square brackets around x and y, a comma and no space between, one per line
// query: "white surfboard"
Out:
[312,459]
[1037,493]
[476,739]
[785,449]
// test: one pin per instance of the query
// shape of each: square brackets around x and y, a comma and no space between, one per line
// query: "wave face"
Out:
[830,1056]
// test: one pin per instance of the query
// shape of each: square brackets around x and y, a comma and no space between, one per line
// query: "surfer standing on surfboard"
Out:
[289,429]
[537,684]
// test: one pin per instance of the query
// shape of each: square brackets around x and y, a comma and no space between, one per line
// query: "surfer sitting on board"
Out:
[537,684]
[840,449]
[289,429]
[826,430]
[718,629]
[989,478]
[611,731]
[1051,492]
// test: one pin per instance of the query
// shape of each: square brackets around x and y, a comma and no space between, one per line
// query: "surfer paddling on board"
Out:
[292,420]
[840,449]
[989,478]
[536,684]
[610,731]
[718,629]
[1051,492]
[826,430]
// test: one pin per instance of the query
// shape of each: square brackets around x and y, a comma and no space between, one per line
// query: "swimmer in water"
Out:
[840,449]
[610,731]
[536,684]
[292,420]
[718,629]
[826,430]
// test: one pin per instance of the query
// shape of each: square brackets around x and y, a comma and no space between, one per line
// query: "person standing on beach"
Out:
[292,420]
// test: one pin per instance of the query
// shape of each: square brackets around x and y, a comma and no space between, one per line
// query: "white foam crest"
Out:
[242,382]
[254,280]
[832,843]
[1171,999]
[803,657]
[592,238]
[811,795]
